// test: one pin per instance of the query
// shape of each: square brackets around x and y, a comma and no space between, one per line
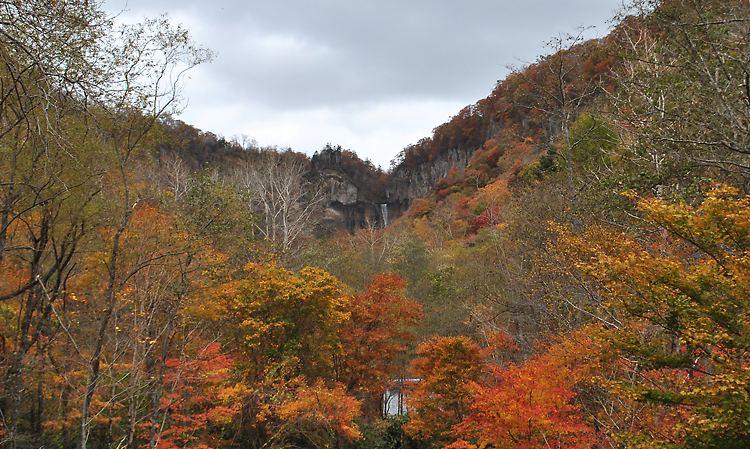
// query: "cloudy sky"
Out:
[370,75]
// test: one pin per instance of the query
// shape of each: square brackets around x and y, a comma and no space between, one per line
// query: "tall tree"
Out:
[48,177]
[373,340]
[683,92]
[682,300]
[143,65]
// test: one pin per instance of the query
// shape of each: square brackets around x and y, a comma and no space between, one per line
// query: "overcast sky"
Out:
[371,76]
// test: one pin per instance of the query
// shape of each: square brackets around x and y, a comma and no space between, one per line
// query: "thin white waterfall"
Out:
[384,214]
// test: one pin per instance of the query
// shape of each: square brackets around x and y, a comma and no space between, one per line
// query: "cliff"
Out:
[355,199]
[347,207]
[408,182]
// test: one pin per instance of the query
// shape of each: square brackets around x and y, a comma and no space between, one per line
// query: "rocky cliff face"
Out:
[347,207]
[408,183]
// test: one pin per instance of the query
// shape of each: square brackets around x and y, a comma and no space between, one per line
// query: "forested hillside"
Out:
[563,264]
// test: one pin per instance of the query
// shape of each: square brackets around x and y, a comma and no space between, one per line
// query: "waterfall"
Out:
[384,214]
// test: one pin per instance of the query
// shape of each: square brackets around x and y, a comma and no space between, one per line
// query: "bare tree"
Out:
[559,91]
[683,95]
[280,195]
[176,176]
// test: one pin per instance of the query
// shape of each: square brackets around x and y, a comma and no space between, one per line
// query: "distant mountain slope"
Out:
[517,127]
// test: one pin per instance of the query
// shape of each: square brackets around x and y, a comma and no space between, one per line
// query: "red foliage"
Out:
[493,156]
[194,400]
[490,217]
[442,194]
[442,184]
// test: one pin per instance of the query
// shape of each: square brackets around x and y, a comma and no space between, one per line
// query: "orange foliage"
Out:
[464,401]
[421,207]
[447,369]
[525,406]
[493,194]
[373,339]
[317,415]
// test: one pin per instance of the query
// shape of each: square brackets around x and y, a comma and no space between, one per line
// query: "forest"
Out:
[581,280]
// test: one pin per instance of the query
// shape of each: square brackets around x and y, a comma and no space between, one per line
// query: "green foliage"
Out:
[386,434]
[214,210]
[593,139]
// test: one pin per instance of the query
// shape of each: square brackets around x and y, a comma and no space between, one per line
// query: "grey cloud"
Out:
[282,57]
[299,54]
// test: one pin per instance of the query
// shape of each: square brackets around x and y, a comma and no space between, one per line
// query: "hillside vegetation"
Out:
[564,264]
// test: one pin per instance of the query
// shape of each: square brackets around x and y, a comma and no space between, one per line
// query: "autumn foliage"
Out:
[446,369]
[684,309]
[200,399]
[579,278]
[527,406]
[374,338]
[481,402]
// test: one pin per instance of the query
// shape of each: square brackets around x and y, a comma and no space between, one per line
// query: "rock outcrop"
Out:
[408,183]
[346,206]
[349,205]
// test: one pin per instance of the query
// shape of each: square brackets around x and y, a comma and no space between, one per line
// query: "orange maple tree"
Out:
[447,369]
[525,406]
[373,339]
